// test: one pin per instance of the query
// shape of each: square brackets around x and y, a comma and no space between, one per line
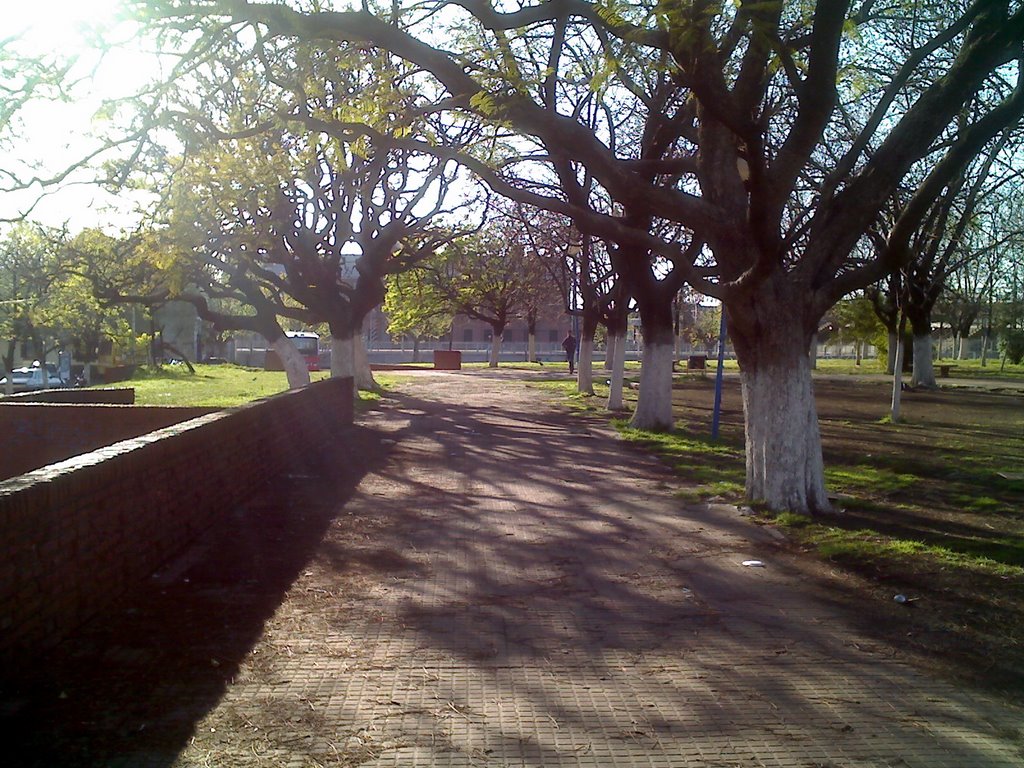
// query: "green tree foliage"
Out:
[854,319]
[415,307]
[743,148]
[1011,344]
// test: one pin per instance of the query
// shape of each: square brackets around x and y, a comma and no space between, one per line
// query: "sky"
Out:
[55,134]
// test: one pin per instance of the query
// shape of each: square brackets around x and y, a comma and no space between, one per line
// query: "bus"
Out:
[308,344]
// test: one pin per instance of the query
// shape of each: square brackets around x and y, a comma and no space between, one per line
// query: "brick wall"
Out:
[35,435]
[80,534]
[108,395]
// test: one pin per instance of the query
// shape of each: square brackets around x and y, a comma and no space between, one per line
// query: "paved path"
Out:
[508,585]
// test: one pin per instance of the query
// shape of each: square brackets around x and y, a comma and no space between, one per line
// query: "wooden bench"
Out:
[945,368]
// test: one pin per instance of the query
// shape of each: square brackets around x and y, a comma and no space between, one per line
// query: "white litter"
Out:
[753,564]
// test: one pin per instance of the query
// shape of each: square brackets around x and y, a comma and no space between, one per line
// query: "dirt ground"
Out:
[490,580]
[949,476]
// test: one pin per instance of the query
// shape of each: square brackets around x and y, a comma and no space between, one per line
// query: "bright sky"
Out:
[56,134]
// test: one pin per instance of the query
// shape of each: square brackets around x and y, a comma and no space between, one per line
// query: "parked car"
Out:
[35,377]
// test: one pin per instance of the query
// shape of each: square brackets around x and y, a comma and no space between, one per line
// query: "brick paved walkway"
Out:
[505,585]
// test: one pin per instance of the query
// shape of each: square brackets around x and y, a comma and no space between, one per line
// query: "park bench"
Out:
[945,368]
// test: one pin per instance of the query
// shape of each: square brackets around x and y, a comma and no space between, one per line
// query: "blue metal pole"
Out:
[718,378]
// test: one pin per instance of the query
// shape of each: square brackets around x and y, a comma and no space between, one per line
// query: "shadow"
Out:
[528,545]
[128,688]
[508,585]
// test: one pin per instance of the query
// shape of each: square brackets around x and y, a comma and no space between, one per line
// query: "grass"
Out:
[219,386]
[1003,557]
[923,508]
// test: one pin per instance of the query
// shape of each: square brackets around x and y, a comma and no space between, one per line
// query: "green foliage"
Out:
[855,319]
[416,307]
[44,300]
[1011,344]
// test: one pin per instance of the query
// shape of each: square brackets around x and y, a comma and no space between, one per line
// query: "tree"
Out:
[415,308]
[765,153]
[949,238]
[486,277]
[855,320]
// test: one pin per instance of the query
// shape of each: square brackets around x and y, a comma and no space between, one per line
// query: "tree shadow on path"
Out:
[128,688]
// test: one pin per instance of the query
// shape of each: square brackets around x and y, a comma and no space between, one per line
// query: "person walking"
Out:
[569,345]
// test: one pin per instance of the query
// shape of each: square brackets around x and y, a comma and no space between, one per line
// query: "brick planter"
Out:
[447,360]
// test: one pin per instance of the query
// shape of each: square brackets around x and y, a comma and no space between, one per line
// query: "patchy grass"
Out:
[1003,557]
[714,469]
[222,386]
[578,401]
[972,369]
[932,507]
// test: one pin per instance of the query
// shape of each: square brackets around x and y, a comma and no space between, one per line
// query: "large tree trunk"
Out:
[531,347]
[609,355]
[495,348]
[890,361]
[361,365]
[292,361]
[585,361]
[654,400]
[585,366]
[342,357]
[924,371]
[785,469]
[812,352]
[961,353]
[5,371]
[897,377]
[616,360]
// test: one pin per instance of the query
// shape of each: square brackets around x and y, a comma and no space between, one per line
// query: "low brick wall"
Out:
[92,395]
[79,535]
[37,434]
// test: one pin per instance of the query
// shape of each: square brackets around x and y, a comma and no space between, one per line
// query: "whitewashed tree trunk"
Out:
[961,353]
[342,357]
[897,382]
[924,371]
[890,362]
[585,367]
[616,360]
[609,355]
[654,401]
[294,364]
[495,350]
[361,366]
[783,444]
[531,347]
